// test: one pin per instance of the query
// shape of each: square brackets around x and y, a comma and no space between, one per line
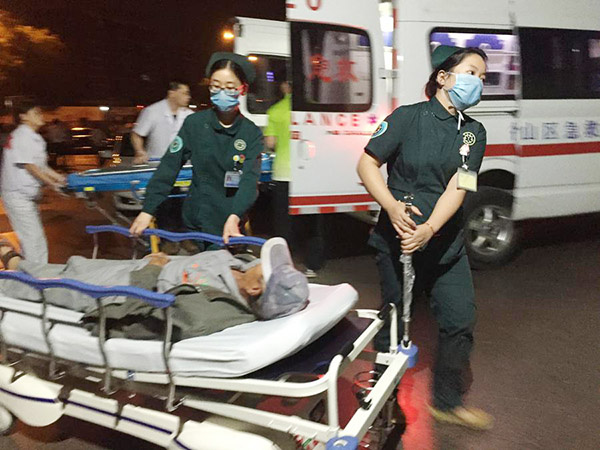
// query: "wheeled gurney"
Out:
[213,390]
[128,185]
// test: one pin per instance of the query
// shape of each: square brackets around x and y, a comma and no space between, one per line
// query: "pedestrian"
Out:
[277,138]
[224,148]
[434,152]
[24,171]
[156,127]
[159,123]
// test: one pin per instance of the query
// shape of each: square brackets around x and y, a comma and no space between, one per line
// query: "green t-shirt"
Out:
[280,116]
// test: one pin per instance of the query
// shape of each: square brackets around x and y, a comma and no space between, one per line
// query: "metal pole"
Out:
[408,280]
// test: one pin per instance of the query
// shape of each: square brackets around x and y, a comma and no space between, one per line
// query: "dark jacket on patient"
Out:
[197,311]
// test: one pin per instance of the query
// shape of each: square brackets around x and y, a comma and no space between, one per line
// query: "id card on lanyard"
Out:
[233,177]
[466,179]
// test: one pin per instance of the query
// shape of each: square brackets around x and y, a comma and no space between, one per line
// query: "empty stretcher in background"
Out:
[261,385]
[128,184]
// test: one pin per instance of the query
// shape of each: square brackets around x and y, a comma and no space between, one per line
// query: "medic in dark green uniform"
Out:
[224,148]
[432,151]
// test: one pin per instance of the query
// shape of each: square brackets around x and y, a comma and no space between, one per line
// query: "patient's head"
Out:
[285,287]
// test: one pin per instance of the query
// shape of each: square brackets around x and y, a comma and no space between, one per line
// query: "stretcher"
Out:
[261,385]
[128,183]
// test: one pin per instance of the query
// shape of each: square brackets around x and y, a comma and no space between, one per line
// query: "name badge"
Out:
[232,179]
[467,179]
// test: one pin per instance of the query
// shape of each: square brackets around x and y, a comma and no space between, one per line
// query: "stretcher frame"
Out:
[95,393]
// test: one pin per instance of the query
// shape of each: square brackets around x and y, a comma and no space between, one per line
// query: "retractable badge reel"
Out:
[233,177]
[466,179]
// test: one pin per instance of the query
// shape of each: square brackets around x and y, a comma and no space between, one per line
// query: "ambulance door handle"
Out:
[306,151]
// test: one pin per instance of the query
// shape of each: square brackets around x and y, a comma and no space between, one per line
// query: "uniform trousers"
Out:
[24,216]
[451,296]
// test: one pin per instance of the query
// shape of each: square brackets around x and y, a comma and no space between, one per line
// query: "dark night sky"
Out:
[125,51]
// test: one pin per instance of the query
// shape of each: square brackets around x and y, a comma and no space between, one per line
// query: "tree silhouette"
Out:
[29,57]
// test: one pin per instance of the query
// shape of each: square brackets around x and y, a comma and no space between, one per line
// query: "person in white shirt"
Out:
[159,123]
[24,171]
[156,128]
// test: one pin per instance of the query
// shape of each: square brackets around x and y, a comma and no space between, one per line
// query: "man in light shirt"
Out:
[156,127]
[159,123]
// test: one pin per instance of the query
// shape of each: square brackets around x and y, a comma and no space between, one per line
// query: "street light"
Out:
[104,108]
[228,35]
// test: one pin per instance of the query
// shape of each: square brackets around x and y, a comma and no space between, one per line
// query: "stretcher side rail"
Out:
[176,237]
[169,236]
[156,300]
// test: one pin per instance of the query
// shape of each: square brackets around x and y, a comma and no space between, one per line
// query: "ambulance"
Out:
[353,61]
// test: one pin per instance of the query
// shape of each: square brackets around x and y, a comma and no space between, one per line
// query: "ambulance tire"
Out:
[491,237]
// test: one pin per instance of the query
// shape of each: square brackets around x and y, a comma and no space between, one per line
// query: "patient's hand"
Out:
[158,259]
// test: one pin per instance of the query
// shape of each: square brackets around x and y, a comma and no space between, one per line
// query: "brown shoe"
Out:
[473,418]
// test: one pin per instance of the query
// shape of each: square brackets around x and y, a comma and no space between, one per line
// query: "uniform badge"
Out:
[469,138]
[176,145]
[240,145]
[383,126]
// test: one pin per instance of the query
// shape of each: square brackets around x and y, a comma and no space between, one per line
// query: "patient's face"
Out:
[252,282]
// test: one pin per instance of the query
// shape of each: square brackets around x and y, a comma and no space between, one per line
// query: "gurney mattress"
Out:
[233,352]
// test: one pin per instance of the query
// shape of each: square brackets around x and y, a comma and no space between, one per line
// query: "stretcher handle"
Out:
[153,298]
[176,237]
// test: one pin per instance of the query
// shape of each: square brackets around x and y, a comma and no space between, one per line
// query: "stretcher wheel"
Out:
[7,421]
[343,443]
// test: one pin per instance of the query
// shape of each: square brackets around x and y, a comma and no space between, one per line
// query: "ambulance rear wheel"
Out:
[491,236]
[7,422]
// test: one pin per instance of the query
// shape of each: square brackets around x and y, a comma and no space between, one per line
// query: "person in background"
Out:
[277,138]
[433,151]
[224,148]
[159,123]
[156,127]
[24,171]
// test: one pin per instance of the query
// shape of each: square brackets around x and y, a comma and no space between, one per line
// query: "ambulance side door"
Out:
[339,98]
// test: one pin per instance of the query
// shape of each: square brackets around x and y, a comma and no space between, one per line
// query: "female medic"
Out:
[433,151]
[224,148]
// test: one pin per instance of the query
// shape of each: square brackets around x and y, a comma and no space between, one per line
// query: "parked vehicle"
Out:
[84,147]
[354,61]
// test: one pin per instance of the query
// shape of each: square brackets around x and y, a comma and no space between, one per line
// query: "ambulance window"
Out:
[502,50]
[560,63]
[331,67]
[265,91]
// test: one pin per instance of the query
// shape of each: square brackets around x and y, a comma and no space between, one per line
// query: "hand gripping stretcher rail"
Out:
[210,392]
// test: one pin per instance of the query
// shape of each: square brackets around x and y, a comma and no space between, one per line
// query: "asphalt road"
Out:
[536,362]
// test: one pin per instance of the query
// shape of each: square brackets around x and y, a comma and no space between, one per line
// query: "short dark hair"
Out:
[174,85]
[432,85]
[23,106]
[233,66]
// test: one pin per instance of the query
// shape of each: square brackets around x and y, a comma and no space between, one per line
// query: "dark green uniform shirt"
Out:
[420,144]
[211,149]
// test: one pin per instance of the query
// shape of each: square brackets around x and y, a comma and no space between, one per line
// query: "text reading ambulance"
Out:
[353,61]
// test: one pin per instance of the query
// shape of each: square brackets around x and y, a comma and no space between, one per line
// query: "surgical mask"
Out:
[225,102]
[466,91]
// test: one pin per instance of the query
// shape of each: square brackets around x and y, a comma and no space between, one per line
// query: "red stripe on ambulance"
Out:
[553,149]
[329,199]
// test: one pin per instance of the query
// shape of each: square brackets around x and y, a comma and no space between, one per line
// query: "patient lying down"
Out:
[213,290]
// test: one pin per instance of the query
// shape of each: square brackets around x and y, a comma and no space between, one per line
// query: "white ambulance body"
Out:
[540,105]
